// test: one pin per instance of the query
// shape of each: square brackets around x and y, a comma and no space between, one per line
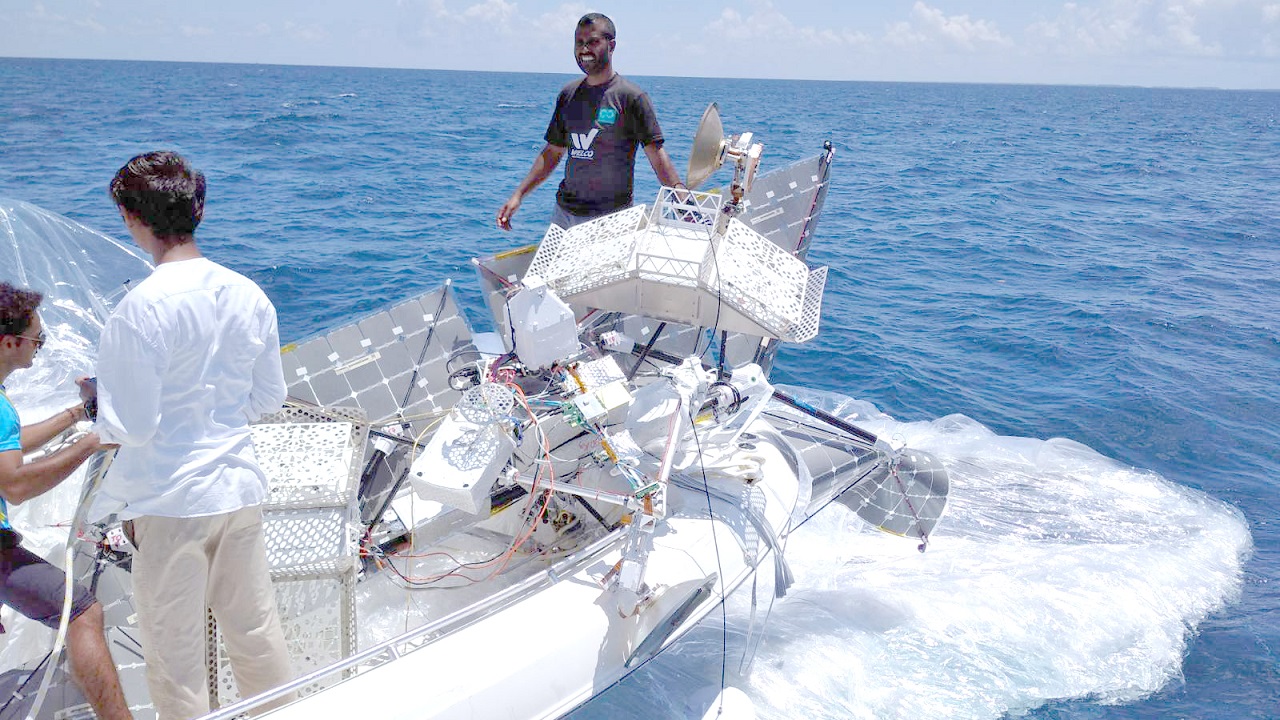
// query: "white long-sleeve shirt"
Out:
[189,357]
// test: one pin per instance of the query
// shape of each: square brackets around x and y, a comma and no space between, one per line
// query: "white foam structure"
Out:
[1056,574]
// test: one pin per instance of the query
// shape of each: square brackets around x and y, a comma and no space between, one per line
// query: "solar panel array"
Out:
[391,364]
[394,365]
[784,204]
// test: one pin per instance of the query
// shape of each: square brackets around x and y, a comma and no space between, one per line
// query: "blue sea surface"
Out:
[1094,263]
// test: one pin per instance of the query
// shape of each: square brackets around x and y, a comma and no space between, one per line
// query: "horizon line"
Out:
[686,77]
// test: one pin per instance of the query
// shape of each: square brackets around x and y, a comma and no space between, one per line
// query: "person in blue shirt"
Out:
[28,583]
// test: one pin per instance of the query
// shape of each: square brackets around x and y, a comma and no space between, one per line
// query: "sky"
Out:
[1231,44]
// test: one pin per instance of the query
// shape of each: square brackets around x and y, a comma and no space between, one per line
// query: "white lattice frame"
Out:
[747,271]
[686,209]
[589,255]
[669,270]
[301,575]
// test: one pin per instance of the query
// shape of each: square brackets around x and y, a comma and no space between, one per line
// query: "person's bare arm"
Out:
[662,165]
[37,434]
[543,166]
[20,482]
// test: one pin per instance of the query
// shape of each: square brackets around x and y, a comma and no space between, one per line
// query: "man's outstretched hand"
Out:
[507,210]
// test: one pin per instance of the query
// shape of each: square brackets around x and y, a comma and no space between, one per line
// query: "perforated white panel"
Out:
[675,267]
[307,464]
[763,281]
[590,255]
[312,458]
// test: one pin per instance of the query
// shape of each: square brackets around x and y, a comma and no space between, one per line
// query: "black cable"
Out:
[648,348]
[448,363]
[422,356]
[511,328]
[724,342]
[819,195]
[566,442]
[365,478]
[16,693]
[594,513]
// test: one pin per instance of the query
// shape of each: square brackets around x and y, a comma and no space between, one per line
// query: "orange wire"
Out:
[505,557]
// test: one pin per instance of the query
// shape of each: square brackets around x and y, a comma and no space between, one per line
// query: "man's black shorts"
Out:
[32,586]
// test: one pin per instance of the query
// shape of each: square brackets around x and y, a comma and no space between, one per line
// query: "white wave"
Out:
[1057,573]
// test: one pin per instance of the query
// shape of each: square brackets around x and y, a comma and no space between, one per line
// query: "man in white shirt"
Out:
[189,357]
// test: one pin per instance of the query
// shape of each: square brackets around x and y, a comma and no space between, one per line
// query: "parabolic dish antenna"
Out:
[708,149]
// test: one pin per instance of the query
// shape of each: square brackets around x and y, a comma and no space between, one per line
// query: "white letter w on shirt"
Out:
[583,142]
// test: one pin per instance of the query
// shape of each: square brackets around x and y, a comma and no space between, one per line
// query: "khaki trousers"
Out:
[183,565]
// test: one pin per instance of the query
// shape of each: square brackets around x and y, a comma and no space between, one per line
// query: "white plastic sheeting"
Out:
[81,273]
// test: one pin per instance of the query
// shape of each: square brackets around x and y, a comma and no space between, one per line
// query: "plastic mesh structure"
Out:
[312,458]
[784,205]
[590,255]
[672,265]
[768,283]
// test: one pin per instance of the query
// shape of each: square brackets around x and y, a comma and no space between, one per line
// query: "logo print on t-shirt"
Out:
[582,144]
[607,116]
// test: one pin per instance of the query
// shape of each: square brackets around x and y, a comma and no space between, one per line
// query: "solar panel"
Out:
[394,365]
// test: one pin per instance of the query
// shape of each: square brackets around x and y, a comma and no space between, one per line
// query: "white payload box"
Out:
[467,453]
[544,327]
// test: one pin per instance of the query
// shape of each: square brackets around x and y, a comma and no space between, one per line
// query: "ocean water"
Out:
[1070,294]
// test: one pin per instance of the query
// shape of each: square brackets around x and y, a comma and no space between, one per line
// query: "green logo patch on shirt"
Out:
[607,116]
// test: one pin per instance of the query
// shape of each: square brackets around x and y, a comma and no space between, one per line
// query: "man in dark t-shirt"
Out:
[598,122]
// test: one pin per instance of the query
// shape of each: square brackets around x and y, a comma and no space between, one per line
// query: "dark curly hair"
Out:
[163,191]
[606,25]
[17,308]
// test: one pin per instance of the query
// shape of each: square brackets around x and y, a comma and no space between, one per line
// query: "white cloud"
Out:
[491,11]
[312,33]
[930,26]
[38,13]
[766,23]
[1234,43]
[1192,28]
[438,19]
[61,24]
[559,22]
[91,24]
[1180,29]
